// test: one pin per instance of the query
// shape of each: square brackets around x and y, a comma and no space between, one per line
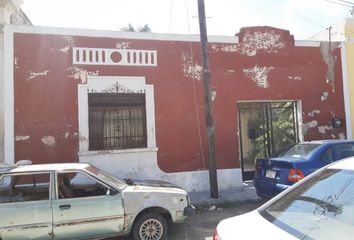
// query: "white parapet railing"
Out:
[111,56]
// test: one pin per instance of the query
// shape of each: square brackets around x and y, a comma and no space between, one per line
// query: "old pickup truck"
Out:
[80,201]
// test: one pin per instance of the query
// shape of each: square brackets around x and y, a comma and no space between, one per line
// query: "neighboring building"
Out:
[19,18]
[344,32]
[133,103]
[8,9]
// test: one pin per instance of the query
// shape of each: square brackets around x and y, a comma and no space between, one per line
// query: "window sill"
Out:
[121,151]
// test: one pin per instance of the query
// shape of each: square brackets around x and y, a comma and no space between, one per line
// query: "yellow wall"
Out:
[350,68]
[349,57]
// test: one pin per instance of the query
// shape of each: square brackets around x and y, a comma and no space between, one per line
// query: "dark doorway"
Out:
[266,129]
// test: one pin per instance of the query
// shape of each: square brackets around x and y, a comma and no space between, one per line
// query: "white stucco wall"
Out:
[143,165]
[2,79]
[7,99]
[336,31]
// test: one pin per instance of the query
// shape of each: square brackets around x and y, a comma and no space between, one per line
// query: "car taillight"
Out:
[216,235]
[295,175]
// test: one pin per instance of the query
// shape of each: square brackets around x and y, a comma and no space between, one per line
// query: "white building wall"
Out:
[7,7]
[338,32]
[143,165]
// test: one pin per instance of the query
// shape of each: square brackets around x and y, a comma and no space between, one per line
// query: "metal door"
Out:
[266,129]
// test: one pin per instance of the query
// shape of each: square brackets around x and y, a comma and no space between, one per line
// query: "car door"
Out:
[85,207]
[343,150]
[25,206]
[326,157]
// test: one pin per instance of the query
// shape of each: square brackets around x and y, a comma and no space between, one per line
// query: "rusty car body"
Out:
[80,201]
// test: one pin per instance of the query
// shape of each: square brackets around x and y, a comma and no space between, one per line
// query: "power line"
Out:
[196,108]
[308,19]
[351,3]
[301,15]
[341,4]
[171,12]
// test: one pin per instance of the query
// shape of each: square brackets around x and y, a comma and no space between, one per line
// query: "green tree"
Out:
[279,128]
[130,28]
[144,28]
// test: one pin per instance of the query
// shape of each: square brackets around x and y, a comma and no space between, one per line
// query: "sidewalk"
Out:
[238,194]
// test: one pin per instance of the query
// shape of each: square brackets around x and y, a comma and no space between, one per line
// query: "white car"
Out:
[80,201]
[319,207]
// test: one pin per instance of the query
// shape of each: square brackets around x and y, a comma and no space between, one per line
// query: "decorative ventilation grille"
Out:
[120,57]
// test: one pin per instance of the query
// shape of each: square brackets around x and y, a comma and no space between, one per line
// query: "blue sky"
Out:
[225,17]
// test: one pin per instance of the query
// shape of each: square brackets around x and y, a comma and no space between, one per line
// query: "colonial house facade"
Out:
[133,103]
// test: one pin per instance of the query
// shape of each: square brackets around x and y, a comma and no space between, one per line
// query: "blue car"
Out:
[275,174]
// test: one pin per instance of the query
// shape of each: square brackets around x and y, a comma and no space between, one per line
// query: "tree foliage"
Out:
[130,28]
[144,28]
[279,128]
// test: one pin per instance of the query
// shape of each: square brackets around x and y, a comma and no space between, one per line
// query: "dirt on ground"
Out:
[201,225]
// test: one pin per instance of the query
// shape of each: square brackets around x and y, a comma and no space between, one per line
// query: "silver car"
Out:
[319,207]
[80,201]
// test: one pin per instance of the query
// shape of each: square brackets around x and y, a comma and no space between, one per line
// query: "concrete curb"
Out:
[237,194]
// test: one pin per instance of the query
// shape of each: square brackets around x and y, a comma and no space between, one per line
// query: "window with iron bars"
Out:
[117,121]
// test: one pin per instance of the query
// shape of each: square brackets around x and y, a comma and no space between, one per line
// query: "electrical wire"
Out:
[338,3]
[171,12]
[194,89]
[351,3]
[301,15]
[308,19]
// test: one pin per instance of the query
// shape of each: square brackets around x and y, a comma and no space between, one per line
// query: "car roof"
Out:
[329,141]
[43,167]
[346,164]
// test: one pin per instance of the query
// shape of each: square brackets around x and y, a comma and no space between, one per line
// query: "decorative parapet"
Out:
[118,57]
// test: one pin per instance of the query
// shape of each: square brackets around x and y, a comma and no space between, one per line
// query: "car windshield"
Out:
[107,177]
[300,150]
[320,208]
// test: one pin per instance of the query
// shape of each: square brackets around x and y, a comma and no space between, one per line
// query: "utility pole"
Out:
[214,192]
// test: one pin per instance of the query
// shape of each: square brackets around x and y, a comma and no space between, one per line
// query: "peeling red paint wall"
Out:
[264,66]
[45,100]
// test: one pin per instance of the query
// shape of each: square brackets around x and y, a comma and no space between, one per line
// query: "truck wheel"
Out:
[150,226]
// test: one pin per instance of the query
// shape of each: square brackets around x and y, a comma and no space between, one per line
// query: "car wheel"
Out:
[150,226]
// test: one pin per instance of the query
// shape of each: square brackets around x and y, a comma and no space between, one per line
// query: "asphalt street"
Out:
[202,224]
[210,211]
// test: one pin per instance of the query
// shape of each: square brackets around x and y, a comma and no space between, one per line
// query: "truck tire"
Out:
[150,226]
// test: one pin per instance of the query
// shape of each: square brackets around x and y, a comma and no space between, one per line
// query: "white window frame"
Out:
[101,83]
